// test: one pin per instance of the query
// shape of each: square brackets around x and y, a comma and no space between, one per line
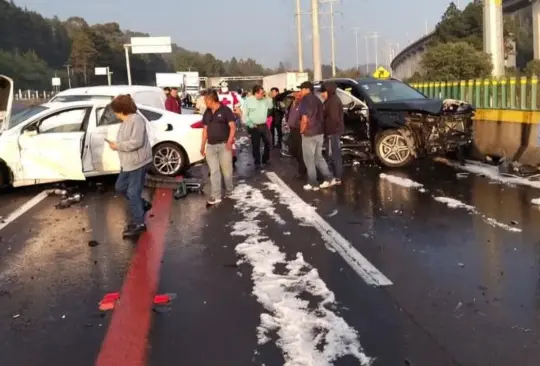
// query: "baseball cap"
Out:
[306,85]
[323,89]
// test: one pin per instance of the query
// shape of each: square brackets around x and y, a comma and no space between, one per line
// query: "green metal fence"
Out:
[511,93]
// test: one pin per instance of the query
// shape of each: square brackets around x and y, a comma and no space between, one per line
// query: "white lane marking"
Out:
[448,201]
[490,172]
[309,331]
[23,209]
[306,213]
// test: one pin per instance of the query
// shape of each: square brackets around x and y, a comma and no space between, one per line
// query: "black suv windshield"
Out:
[388,90]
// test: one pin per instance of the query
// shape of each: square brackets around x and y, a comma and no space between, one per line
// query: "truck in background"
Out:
[191,82]
[284,81]
[169,79]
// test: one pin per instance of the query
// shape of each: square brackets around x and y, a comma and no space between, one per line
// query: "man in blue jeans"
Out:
[135,154]
[217,145]
[334,126]
[312,130]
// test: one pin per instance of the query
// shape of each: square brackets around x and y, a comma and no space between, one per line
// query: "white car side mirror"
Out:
[30,133]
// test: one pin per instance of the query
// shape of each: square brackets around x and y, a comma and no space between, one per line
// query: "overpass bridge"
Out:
[407,61]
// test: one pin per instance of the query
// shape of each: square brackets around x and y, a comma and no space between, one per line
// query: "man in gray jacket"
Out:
[135,155]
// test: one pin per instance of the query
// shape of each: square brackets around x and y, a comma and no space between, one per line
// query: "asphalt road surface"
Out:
[432,265]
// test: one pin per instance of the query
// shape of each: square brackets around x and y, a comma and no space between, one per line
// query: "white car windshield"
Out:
[24,114]
[389,91]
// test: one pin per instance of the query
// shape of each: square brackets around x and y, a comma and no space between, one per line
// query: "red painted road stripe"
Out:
[126,341]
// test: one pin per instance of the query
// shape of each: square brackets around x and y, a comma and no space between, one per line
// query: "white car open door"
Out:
[51,148]
[6,101]
[104,159]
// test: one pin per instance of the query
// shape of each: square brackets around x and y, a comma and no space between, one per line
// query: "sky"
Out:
[264,30]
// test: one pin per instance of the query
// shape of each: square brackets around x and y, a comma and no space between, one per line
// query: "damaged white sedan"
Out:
[66,141]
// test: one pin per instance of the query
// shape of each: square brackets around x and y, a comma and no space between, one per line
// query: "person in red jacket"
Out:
[173,102]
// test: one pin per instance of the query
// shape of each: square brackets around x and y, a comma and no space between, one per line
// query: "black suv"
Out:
[388,119]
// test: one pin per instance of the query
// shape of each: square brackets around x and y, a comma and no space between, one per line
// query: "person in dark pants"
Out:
[295,137]
[312,130]
[135,155]
[277,119]
[255,111]
[334,126]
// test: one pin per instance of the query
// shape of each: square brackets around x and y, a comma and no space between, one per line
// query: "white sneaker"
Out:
[335,182]
[325,184]
[309,187]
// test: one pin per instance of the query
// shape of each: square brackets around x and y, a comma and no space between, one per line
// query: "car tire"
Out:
[168,159]
[389,146]
[5,176]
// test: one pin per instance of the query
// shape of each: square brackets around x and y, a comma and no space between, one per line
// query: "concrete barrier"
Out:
[509,133]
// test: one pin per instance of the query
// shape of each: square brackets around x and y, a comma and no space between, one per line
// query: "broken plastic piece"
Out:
[109,301]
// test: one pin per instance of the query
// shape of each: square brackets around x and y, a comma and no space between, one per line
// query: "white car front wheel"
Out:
[168,160]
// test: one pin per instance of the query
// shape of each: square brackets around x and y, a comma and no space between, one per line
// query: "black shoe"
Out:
[147,206]
[134,230]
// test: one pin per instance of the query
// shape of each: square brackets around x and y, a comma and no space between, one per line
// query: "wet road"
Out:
[422,266]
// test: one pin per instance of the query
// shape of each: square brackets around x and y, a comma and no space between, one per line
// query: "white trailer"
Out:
[192,82]
[284,81]
[169,79]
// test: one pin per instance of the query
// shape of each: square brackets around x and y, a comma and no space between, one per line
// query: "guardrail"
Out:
[506,93]
[33,94]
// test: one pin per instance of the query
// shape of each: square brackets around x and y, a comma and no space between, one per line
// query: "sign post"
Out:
[104,71]
[146,45]
[56,82]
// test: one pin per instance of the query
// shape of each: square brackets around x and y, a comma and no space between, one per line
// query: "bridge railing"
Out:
[505,93]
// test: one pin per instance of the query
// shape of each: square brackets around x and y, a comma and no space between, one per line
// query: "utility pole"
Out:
[332,33]
[367,54]
[68,74]
[375,36]
[356,30]
[299,36]
[317,66]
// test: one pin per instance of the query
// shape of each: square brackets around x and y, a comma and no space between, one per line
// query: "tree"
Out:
[33,44]
[83,53]
[532,68]
[455,61]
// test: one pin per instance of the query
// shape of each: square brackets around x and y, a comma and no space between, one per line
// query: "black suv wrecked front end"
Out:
[429,126]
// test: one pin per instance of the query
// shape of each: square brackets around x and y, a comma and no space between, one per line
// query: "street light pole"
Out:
[68,74]
[356,30]
[367,55]
[332,34]
[317,66]
[299,36]
[128,66]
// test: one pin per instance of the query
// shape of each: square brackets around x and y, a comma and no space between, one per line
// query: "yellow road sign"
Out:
[381,73]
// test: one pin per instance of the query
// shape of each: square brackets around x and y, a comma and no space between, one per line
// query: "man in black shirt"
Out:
[217,144]
[277,119]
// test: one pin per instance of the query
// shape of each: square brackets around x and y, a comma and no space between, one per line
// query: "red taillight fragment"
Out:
[199,124]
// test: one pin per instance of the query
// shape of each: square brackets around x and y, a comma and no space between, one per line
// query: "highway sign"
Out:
[101,71]
[381,73]
[151,45]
